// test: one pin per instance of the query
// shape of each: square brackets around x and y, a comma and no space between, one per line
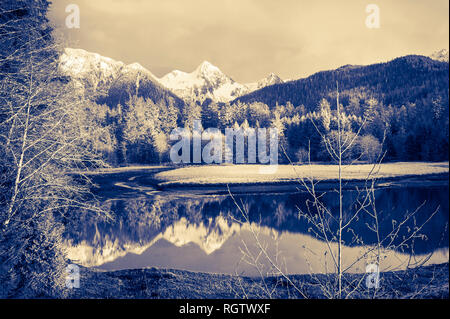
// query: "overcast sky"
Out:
[248,39]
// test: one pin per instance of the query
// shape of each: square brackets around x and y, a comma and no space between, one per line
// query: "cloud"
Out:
[248,39]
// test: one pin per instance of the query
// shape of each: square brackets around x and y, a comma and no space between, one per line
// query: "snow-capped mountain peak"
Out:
[136,66]
[206,68]
[213,76]
[80,63]
[93,73]
[271,79]
[440,55]
[208,81]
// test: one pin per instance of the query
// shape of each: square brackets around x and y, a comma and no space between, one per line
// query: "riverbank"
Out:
[124,183]
[291,175]
[422,282]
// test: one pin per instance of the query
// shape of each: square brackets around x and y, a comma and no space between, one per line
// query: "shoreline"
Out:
[289,177]
[166,179]
[430,282]
[176,283]
[431,180]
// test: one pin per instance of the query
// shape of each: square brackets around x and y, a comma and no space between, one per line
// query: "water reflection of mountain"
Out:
[206,222]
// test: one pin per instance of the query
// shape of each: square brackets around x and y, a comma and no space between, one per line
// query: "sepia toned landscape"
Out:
[215,150]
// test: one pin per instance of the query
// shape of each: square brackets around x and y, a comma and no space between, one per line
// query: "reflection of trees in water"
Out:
[393,204]
[134,220]
[140,220]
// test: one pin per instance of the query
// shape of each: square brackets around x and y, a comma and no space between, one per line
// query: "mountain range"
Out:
[111,81]
[404,80]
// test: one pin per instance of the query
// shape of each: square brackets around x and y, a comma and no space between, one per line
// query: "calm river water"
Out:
[209,233]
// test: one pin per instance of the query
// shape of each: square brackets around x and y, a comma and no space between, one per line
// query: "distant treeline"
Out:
[403,105]
[138,131]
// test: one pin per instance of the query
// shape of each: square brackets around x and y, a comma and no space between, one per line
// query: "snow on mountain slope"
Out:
[208,81]
[441,55]
[90,71]
[93,73]
[271,79]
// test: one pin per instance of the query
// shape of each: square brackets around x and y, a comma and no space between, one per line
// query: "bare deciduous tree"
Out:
[41,141]
[325,224]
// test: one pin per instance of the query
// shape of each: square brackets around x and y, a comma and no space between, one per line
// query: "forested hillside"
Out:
[409,79]
[406,99]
